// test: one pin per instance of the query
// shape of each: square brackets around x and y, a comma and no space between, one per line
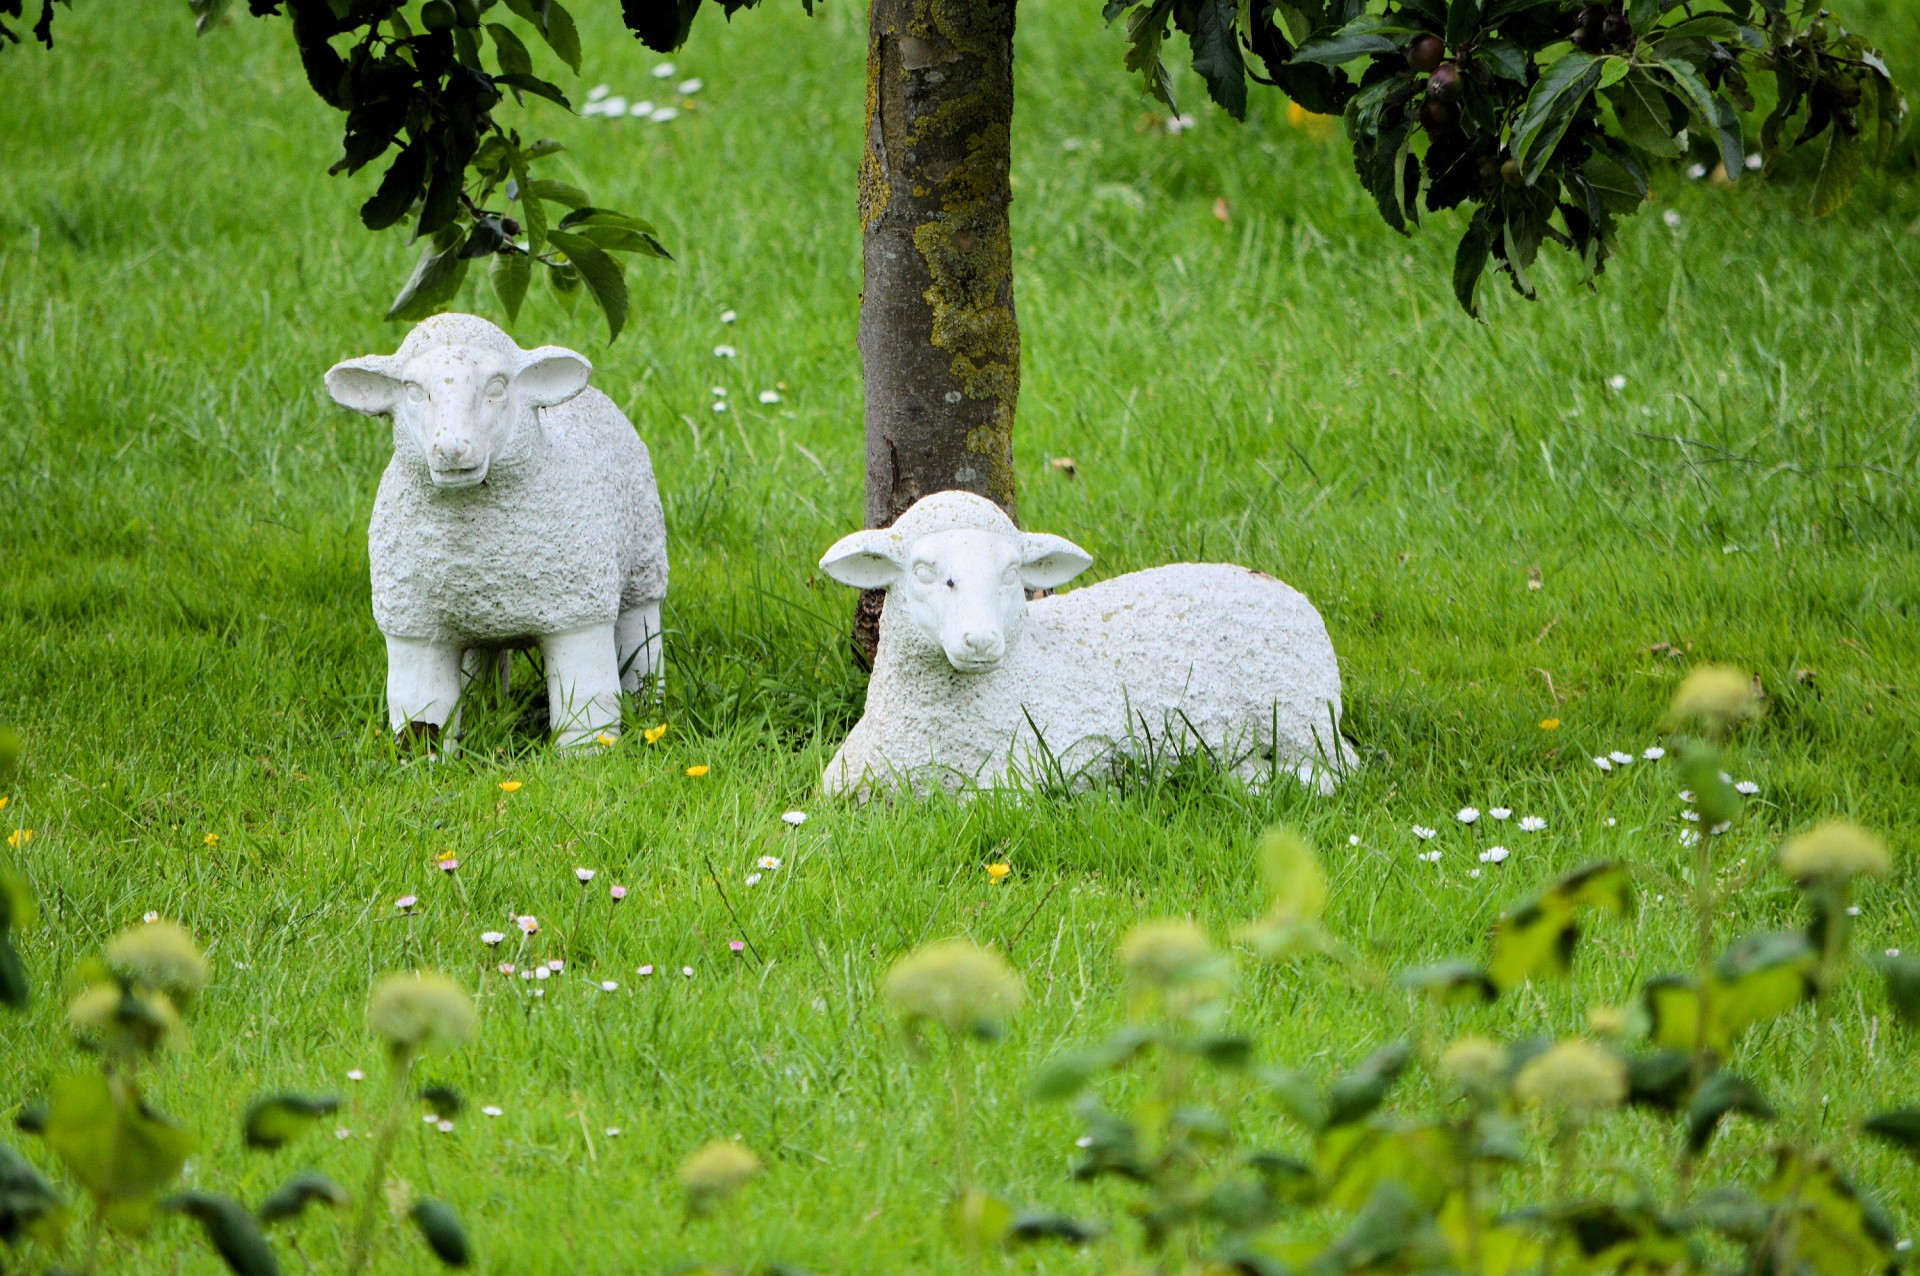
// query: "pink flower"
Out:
[736,945]
[618,892]
[645,970]
[406,902]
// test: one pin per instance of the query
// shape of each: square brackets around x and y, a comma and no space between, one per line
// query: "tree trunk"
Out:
[938,340]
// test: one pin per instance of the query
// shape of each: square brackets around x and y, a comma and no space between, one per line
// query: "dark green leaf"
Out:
[291,1198]
[1225,1051]
[1733,1212]
[1354,1096]
[511,274]
[512,54]
[601,274]
[1146,31]
[591,216]
[442,1231]
[1470,261]
[1298,1094]
[1033,1226]
[1452,983]
[1550,109]
[436,277]
[16,991]
[1463,19]
[1839,172]
[1216,54]
[1720,1094]
[535,85]
[276,1121]
[1368,33]
[399,187]
[29,1207]
[444,1100]
[1618,188]
[1837,1232]
[442,202]
[231,1231]
[1646,115]
[1900,1128]
[1902,975]
[1505,59]
[1659,1080]
[562,36]
[562,193]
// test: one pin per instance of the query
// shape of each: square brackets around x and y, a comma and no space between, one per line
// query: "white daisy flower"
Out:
[1692,817]
[150,917]
[1494,855]
[725,352]
[686,88]
[1747,787]
[540,972]
[1721,827]
[1180,124]
[1424,834]
[607,985]
[1688,837]
[406,902]
[613,1131]
[1696,171]
[1467,814]
[644,971]
[795,818]
[1893,952]
[719,405]
[1430,857]
[598,91]
[1611,821]
[445,1127]
[753,879]
[1473,872]
[506,968]
[728,316]
[1671,217]
[584,875]
[490,1110]
[665,71]
[556,965]
[687,971]
[1603,764]
[718,392]
[769,862]
[1619,758]
[665,114]
[1617,382]
[1755,161]
[1500,812]
[1853,910]
[355,1074]
[342,1132]
[640,110]
[613,107]
[491,938]
[1531,824]
[1686,795]
[1353,839]
[769,397]
[1653,753]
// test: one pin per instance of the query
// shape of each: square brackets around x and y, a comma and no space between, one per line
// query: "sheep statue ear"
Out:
[369,384]
[1047,562]
[865,560]
[551,375]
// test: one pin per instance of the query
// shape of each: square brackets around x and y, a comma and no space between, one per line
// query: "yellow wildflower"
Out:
[605,739]
[697,771]
[211,839]
[652,734]
[4,799]
[19,838]
[998,872]
[1549,724]
[510,786]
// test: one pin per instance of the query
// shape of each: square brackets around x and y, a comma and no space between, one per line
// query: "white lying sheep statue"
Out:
[519,509]
[1175,658]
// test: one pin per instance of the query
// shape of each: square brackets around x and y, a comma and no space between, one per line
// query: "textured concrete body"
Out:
[994,690]
[519,510]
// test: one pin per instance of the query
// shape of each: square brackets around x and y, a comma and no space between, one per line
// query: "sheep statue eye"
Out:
[924,573]
[416,392]
[496,387]
[1011,576]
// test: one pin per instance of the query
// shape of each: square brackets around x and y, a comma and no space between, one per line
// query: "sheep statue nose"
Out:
[982,645]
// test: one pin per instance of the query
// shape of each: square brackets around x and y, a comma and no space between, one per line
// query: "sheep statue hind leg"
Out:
[638,638]
[423,692]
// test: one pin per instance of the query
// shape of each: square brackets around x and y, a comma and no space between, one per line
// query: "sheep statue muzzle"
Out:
[1212,657]
[519,509]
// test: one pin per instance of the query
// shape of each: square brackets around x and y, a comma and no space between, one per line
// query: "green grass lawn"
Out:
[1495,534]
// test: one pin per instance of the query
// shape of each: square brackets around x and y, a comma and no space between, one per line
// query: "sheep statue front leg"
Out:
[423,691]
[583,684]
[637,636]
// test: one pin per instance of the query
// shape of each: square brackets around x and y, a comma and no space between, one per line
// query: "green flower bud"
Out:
[421,1009]
[160,956]
[1476,1065]
[963,987]
[1837,849]
[1714,699]
[716,1172]
[1575,1079]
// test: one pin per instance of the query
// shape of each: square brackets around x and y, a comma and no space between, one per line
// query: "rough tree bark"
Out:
[939,343]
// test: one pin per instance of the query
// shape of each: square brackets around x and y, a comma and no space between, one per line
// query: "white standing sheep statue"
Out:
[1207,656]
[519,510]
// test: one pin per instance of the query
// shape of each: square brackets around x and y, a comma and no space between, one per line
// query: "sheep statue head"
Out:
[463,396]
[960,570]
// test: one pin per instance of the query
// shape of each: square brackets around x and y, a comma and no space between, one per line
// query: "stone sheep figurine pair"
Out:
[519,510]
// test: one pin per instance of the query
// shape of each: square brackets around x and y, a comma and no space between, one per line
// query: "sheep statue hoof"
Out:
[975,686]
[519,510]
